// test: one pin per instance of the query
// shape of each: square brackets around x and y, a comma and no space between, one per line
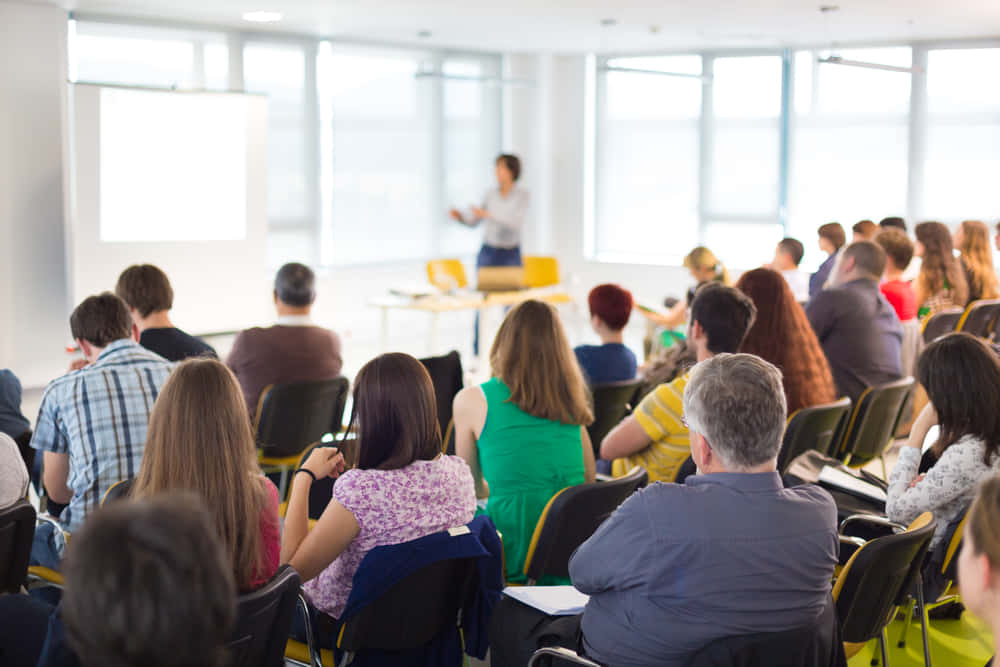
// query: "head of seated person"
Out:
[862,260]
[979,561]
[610,308]
[200,440]
[865,230]
[148,583]
[893,222]
[146,291]
[787,255]
[721,316]
[898,251]
[831,237]
[99,321]
[294,289]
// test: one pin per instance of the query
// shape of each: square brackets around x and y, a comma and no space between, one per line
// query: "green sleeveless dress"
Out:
[526,460]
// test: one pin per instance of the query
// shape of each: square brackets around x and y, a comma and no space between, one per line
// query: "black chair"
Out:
[814,428]
[264,620]
[612,402]
[17,529]
[446,375]
[815,645]
[119,490]
[981,319]
[571,517]
[291,417]
[941,322]
[877,579]
[873,422]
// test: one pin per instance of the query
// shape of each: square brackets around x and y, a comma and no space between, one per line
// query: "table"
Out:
[436,304]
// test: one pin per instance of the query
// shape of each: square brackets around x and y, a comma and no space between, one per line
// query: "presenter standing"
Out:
[503,211]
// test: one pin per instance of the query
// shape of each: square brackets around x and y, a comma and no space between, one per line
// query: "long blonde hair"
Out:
[704,259]
[532,356]
[977,255]
[199,440]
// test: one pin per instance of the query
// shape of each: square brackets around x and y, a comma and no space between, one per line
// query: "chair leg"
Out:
[883,639]
[924,620]
[283,483]
[906,623]
[315,659]
[347,659]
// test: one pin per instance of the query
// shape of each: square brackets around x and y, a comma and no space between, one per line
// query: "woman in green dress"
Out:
[523,433]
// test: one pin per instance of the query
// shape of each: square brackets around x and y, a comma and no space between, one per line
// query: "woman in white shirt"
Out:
[13,473]
[962,377]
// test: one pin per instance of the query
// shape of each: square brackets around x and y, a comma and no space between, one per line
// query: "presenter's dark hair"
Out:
[793,248]
[395,413]
[148,583]
[725,313]
[893,221]
[145,288]
[513,164]
[101,320]
[295,284]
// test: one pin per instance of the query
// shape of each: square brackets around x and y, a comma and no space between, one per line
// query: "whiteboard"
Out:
[175,179]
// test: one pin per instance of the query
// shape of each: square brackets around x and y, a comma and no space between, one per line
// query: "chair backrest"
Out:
[941,322]
[815,645]
[941,568]
[571,517]
[264,620]
[414,611]
[540,271]
[873,422]
[877,578]
[291,416]
[447,274]
[816,427]
[17,529]
[446,375]
[612,402]
[982,319]
[119,490]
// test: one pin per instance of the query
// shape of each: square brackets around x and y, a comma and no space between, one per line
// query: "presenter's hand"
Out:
[325,462]
[480,213]
[455,215]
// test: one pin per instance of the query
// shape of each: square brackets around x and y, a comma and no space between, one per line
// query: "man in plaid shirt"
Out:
[92,422]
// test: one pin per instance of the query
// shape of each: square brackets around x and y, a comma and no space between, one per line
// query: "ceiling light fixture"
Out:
[837,60]
[262,17]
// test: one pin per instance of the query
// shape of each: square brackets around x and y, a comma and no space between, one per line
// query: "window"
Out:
[962,157]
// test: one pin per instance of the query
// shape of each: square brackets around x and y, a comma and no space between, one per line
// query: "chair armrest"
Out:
[873,520]
[43,577]
[562,654]
[853,541]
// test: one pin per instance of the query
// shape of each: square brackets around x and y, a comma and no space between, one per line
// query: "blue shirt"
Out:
[611,362]
[818,279]
[680,565]
[99,416]
[12,422]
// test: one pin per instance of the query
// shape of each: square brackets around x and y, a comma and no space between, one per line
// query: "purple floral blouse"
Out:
[393,506]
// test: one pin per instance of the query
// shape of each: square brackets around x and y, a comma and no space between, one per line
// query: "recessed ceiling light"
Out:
[262,17]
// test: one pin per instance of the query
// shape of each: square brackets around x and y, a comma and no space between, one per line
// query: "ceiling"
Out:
[576,25]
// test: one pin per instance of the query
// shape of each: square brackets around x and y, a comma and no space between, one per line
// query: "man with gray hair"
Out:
[858,329]
[729,552]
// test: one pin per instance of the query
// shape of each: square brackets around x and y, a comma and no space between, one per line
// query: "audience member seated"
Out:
[403,487]
[913,270]
[704,267]
[146,291]
[941,283]
[294,349]
[972,240]
[787,257]
[13,473]
[729,552]
[200,440]
[12,420]
[655,436]
[857,328]
[898,253]
[996,238]
[979,562]
[893,222]
[962,377]
[864,230]
[92,422]
[611,361]
[523,433]
[831,240]
[782,336]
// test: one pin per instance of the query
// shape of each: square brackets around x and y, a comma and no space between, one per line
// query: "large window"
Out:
[362,142]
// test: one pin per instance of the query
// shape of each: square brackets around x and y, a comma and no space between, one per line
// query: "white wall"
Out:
[34,306]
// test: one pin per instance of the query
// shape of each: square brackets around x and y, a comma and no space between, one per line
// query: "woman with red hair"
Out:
[611,361]
[781,335]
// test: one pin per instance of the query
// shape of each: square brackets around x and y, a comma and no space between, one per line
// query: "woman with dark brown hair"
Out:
[524,432]
[781,335]
[941,283]
[972,238]
[200,440]
[403,487]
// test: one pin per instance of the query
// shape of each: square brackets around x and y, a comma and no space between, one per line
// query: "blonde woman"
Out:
[941,283]
[523,433]
[972,239]
[200,440]
[704,267]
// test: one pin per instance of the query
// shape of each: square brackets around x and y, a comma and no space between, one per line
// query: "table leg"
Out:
[384,335]
[484,345]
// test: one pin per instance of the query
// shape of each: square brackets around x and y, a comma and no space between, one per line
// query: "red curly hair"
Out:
[781,335]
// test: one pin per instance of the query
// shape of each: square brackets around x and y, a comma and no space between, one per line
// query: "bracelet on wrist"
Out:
[306,471]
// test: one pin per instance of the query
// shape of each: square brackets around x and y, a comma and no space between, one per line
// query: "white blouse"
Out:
[507,214]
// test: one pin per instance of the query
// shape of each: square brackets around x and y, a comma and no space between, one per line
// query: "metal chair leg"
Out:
[924,620]
[283,483]
[883,639]
[315,659]
[906,623]
[347,659]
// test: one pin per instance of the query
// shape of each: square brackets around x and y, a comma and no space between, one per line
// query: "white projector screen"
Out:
[176,179]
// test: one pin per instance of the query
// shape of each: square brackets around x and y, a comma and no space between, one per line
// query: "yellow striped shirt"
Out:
[660,415]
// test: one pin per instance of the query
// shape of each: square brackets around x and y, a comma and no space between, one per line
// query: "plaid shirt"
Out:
[99,415]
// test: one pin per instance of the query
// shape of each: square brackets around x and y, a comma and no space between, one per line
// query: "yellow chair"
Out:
[447,274]
[981,319]
[941,322]
[540,271]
